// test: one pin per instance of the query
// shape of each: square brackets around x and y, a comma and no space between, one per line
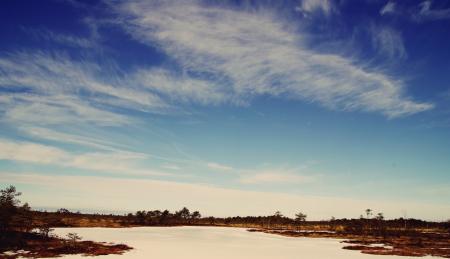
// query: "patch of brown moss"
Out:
[34,246]
[419,244]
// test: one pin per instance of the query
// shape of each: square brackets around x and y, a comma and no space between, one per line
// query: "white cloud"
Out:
[223,56]
[125,163]
[109,162]
[171,167]
[5,100]
[36,109]
[240,55]
[426,12]
[31,152]
[217,166]
[63,137]
[120,194]
[62,90]
[388,42]
[274,178]
[179,87]
[311,6]
[64,39]
[388,8]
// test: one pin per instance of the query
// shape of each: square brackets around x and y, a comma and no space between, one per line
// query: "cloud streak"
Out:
[220,55]
[63,137]
[110,162]
[220,167]
[63,39]
[52,88]
[308,7]
[274,178]
[388,42]
[242,55]
[388,8]
[426,12]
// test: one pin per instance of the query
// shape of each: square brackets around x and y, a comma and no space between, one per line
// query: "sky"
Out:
[228,107]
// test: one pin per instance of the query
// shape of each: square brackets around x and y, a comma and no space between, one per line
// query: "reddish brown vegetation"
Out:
[35,246]
[394,243]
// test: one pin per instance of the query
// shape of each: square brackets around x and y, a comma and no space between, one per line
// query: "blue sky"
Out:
[229,107]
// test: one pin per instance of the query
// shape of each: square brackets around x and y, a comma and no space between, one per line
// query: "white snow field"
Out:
[214,243]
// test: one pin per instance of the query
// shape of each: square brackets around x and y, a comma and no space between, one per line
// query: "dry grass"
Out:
[419,244]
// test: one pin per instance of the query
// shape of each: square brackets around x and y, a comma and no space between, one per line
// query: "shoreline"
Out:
[33,245]
[427,244]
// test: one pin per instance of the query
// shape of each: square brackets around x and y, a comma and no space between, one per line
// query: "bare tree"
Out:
[333,223]
[276,217]
[380,224]
[299,218]
[184,213]
[195,216]
[379,216]
[45,230]
[368,213]
[73,238]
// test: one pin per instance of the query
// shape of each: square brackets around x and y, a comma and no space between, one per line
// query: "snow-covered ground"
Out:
[214,243]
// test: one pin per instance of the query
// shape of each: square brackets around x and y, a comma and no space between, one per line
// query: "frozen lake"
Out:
[214,243]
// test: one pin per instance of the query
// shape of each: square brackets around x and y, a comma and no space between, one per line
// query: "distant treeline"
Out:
[65,218]
[16,217]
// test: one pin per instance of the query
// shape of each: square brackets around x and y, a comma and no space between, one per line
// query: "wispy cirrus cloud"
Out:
[388,42]
[308,7]
[427,12]
[388,8]
[179,87]
[223,56]
[109,162]
[43,109]
[60,38]
[217,166]
[65,137]
[30,152]
[51,88]
[274,176]
[245,54]
[170,167]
